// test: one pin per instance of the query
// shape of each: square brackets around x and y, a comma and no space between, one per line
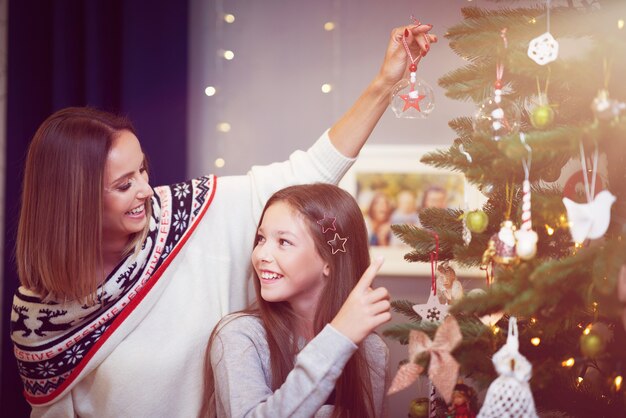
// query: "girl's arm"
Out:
[240,360]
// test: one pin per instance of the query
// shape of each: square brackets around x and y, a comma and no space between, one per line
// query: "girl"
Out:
[305,348]
[122,283]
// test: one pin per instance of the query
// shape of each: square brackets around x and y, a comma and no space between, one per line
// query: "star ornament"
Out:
[338,244]
[327,224]
[433,310]
[412,100]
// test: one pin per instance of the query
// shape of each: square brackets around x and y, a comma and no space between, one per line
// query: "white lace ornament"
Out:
[543,49]
[509,395]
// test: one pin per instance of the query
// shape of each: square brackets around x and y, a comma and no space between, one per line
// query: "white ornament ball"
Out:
[526,245]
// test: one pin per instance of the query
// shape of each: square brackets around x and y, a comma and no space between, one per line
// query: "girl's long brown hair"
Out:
[59,237]
[353,390]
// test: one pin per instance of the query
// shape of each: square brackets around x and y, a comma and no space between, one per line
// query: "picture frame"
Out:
[390,184]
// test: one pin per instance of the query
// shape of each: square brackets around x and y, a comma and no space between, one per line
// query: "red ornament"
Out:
[410,102]
[413,68]
[498,84]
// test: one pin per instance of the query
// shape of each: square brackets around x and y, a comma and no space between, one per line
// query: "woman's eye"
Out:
[260,239]
[124,186]
[284,242]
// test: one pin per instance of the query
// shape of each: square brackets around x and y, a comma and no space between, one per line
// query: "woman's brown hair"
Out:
[59,237]
[353,391]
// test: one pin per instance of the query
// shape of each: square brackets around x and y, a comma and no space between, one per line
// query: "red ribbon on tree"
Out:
[434,259]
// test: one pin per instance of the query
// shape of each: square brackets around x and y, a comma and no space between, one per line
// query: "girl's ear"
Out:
[326,270]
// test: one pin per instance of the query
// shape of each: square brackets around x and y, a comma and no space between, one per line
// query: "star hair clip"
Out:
[337,244]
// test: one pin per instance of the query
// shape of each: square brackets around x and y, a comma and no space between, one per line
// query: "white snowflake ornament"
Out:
[433,310]
[543,49]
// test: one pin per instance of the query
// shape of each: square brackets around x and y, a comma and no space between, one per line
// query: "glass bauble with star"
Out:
[412,98]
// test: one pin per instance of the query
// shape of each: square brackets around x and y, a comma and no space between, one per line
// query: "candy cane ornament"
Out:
[526,238]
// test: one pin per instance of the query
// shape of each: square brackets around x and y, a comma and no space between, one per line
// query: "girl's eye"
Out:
[284,242]
[143,170]
[259,239]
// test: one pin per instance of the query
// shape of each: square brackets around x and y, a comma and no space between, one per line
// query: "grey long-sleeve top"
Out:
[240,360]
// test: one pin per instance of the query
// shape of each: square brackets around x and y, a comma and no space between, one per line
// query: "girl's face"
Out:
[126,189]
[286,261]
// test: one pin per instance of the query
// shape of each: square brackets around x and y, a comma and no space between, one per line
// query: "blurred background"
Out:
[212,87]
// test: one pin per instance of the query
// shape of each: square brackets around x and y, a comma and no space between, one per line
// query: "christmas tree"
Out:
[547,82]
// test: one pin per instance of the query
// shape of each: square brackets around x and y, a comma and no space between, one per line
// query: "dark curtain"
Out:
[124,56]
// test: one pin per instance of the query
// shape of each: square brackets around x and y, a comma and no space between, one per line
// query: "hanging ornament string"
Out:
[500,67]
[589,191]
[414,61]
[434,259]
[548,16]
[509,193]
[488,273]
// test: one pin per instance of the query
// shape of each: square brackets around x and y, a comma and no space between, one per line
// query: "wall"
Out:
[270,92]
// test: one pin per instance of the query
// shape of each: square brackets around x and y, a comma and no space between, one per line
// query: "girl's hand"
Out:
[396,59]
[365,308]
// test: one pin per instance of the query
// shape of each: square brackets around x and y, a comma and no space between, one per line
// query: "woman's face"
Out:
[126,189]
[286,260]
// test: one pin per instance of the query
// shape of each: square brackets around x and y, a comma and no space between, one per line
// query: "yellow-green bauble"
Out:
[542,116]
[419,408]
[476,221]
[592,344]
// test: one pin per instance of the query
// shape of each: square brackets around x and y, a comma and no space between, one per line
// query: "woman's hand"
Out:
[396,60]
[365,308]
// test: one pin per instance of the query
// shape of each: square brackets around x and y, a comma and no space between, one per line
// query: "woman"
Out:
[121,284]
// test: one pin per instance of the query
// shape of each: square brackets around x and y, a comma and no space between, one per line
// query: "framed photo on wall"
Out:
[391,185]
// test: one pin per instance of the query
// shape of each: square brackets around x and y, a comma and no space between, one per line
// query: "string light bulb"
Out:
[620,25]
[618,382]
[569,362]
[549,230]
[219,162]
[535,341]
[587,330]
[210,91]
[223,127]
[327,88]
[581,375]
[228,54]
[229,18]
[328,26]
